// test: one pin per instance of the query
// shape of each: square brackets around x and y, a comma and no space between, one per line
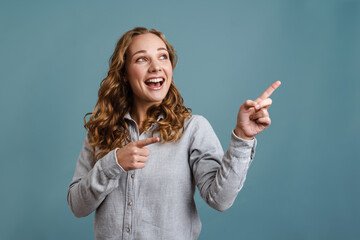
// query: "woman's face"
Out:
[148,69]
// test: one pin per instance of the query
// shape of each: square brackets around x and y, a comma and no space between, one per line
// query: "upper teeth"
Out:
[155,80]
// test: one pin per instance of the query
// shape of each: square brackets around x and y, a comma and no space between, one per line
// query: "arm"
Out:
[220,181]
[90,185]
[219,177]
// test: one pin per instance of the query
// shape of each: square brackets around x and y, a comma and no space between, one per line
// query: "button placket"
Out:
[130,192]
[128,218]
[130,202]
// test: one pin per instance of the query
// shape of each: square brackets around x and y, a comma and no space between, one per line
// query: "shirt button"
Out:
[127,229]
[130,203]
[132,175]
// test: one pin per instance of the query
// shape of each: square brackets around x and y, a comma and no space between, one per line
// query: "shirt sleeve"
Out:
[218,176]
[92,183]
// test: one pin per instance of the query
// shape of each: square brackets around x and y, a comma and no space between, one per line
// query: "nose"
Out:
[154,66]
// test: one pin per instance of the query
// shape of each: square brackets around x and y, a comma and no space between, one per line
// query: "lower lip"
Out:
[154,88]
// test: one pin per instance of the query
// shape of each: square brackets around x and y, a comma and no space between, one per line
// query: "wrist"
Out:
[117,157]
[239,133]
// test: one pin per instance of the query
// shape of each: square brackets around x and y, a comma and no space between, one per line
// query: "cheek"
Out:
[169,71]
[133,72]
[134,76]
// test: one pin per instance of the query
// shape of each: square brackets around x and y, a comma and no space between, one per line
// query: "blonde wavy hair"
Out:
[107,128]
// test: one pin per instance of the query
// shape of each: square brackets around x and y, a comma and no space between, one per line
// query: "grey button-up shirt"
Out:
[157,202]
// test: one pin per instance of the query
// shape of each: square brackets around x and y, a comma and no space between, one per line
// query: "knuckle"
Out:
[133,151]
[147,151]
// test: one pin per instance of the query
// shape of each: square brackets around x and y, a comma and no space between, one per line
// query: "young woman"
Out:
[145,152]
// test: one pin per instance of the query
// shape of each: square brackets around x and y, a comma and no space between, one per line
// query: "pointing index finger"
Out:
[147,141]
[268,91]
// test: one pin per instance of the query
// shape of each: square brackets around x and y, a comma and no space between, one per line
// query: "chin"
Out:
[156,100]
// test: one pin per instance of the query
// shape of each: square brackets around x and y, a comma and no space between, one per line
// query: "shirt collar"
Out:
[128,116]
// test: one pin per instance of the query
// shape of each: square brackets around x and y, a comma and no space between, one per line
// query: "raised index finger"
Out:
[268,91]
[147,141]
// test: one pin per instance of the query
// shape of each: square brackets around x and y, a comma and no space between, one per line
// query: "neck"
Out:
[138,113]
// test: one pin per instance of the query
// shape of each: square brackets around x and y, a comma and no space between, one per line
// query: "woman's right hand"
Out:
[135,154]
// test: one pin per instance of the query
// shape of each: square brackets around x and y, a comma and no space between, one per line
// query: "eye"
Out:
[141,59]
[163,57]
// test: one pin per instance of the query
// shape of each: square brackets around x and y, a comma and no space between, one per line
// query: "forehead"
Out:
[147,42]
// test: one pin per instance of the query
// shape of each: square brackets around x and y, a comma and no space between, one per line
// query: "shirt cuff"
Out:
[110,165]
[249,142]
[242,147]
[116,159]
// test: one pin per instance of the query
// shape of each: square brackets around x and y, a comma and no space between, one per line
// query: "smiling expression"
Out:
[148,69]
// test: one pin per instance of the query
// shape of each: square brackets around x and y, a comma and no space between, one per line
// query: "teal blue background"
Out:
[304,181]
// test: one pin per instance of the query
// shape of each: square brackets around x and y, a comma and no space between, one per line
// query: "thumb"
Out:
[249,104]
[146,141]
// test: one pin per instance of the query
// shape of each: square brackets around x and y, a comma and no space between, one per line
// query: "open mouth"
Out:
[155,82]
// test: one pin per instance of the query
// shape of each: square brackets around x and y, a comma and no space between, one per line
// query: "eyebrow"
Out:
[143,51]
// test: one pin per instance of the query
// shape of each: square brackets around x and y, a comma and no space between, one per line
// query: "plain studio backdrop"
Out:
[304,181]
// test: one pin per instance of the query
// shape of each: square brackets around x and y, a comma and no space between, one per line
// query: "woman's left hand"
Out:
[253,116]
